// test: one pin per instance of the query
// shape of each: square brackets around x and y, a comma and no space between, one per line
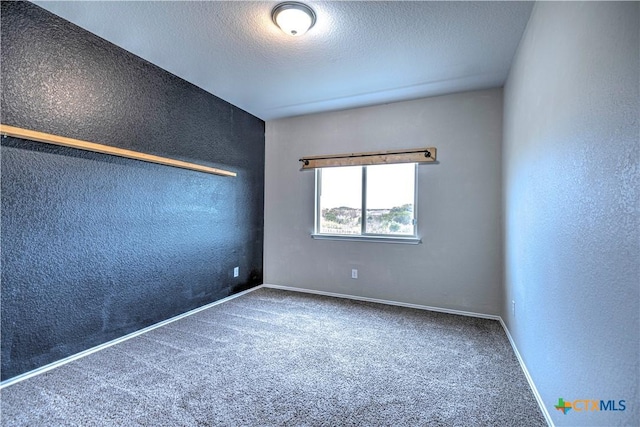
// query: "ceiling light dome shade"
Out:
[293,18]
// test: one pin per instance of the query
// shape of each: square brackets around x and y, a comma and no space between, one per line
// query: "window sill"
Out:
[377,239]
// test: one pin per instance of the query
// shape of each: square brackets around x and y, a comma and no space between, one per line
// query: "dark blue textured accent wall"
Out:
[94,246]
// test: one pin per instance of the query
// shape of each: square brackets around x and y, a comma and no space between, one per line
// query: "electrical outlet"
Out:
[513,308]
[236,271]
[354,273]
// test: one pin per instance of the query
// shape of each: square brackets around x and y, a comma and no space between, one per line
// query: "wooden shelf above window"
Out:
[412,155]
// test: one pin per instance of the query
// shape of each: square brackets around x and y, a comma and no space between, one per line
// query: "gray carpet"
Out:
[274,358]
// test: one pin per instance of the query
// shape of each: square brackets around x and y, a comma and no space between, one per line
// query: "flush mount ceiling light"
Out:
[293,18]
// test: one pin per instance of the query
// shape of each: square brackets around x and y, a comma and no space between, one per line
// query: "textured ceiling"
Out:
[358,53]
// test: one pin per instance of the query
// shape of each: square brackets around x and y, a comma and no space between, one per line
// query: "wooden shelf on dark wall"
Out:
[48,138]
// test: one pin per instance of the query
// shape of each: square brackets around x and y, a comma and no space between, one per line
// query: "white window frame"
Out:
[364,236]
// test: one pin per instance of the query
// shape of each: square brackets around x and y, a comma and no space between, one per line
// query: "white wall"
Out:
[459,263]
[571,200]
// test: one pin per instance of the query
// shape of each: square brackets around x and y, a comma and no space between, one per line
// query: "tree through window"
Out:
[377,200]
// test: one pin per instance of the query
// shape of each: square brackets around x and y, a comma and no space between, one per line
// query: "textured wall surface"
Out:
[459,263]
[571,199]
[94,246]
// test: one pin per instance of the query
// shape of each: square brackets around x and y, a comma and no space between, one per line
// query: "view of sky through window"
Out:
[390,194]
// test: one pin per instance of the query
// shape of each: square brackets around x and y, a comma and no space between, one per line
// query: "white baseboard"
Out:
[97,348]
[539,400]
[384,301]
[534,389]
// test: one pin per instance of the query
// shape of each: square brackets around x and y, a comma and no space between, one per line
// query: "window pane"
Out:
[390,198]
[341,200]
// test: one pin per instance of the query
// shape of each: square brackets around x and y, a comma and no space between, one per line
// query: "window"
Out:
[367,201]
